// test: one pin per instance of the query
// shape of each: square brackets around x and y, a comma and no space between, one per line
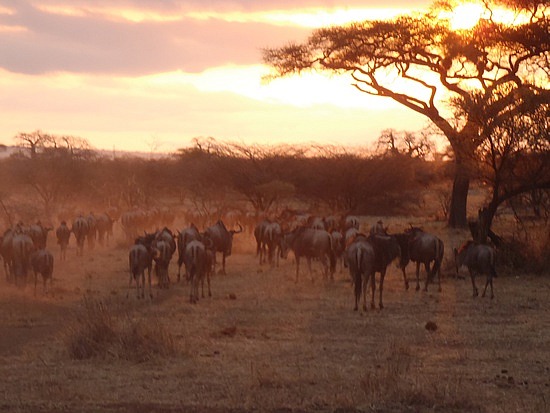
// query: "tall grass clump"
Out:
[395,385]
[99,331]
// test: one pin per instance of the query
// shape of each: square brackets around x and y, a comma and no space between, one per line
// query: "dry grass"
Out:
[99,332]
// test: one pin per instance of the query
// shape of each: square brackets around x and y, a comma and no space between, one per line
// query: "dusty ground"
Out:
[264,343]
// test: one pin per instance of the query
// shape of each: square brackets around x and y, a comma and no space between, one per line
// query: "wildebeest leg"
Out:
[223,265]
[364,279]
[297,258]
[373,289]
[405,278]
[428,274]
[309,268]
[149,281]
[472,277]
[381,289]
[487,283]
[417,276]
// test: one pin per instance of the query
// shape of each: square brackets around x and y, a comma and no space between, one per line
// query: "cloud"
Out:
[141,37]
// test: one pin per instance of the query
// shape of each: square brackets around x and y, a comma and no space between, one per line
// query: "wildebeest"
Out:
[22,248]
[80,230]
[140,258]
[162,254]
[198,265]
[91,235]
[184,237]
[222,240]
[309,243]
[63,234]
[360,261]
[42,263]
[480,259]
[338,246]
[6,251]
[386,249]
[104,227]
[268,236]
[422,248]
[39,234]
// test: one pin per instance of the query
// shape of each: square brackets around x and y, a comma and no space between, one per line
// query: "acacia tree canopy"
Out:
[438,65]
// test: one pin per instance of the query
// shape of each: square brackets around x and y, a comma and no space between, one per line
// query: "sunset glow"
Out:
[124,73]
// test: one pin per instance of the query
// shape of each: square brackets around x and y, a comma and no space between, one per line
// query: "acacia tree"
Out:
[514,159]
[431,59]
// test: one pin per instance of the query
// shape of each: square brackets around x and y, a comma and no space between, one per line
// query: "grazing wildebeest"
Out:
[351,221]
[480,259]
[140,258]
[386,249]
[268,239]
[422,248]
[360,261]
[197,264]
[80,231]
[42,263]
[22,248]
[63,234]
[222,240]
[310,243]
[104,227]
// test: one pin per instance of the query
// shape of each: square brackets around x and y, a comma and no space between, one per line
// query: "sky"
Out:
[152,75]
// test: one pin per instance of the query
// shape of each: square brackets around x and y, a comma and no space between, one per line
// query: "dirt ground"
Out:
[265,343]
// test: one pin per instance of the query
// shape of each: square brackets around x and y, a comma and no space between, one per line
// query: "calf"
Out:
[480,259]
[42,263]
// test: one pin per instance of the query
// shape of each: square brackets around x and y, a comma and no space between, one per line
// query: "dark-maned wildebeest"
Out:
[140,258]
[63,234]
[22,248]
[197,264]
[386,249]
[360,261]
[480,259]
[42,263]
[104,227]
[310,243]
[184,237]
[80,231]
[422,248]
[378,228]
[222,240]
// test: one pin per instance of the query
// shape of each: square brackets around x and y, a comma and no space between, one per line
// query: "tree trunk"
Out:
[459,197]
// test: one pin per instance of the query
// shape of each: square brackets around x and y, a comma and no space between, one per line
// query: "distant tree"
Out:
[414,145]
[431,59]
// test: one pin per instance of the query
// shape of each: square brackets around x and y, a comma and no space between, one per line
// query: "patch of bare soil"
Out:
[265,343]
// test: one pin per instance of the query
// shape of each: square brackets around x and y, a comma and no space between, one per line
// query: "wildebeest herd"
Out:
[328,240]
